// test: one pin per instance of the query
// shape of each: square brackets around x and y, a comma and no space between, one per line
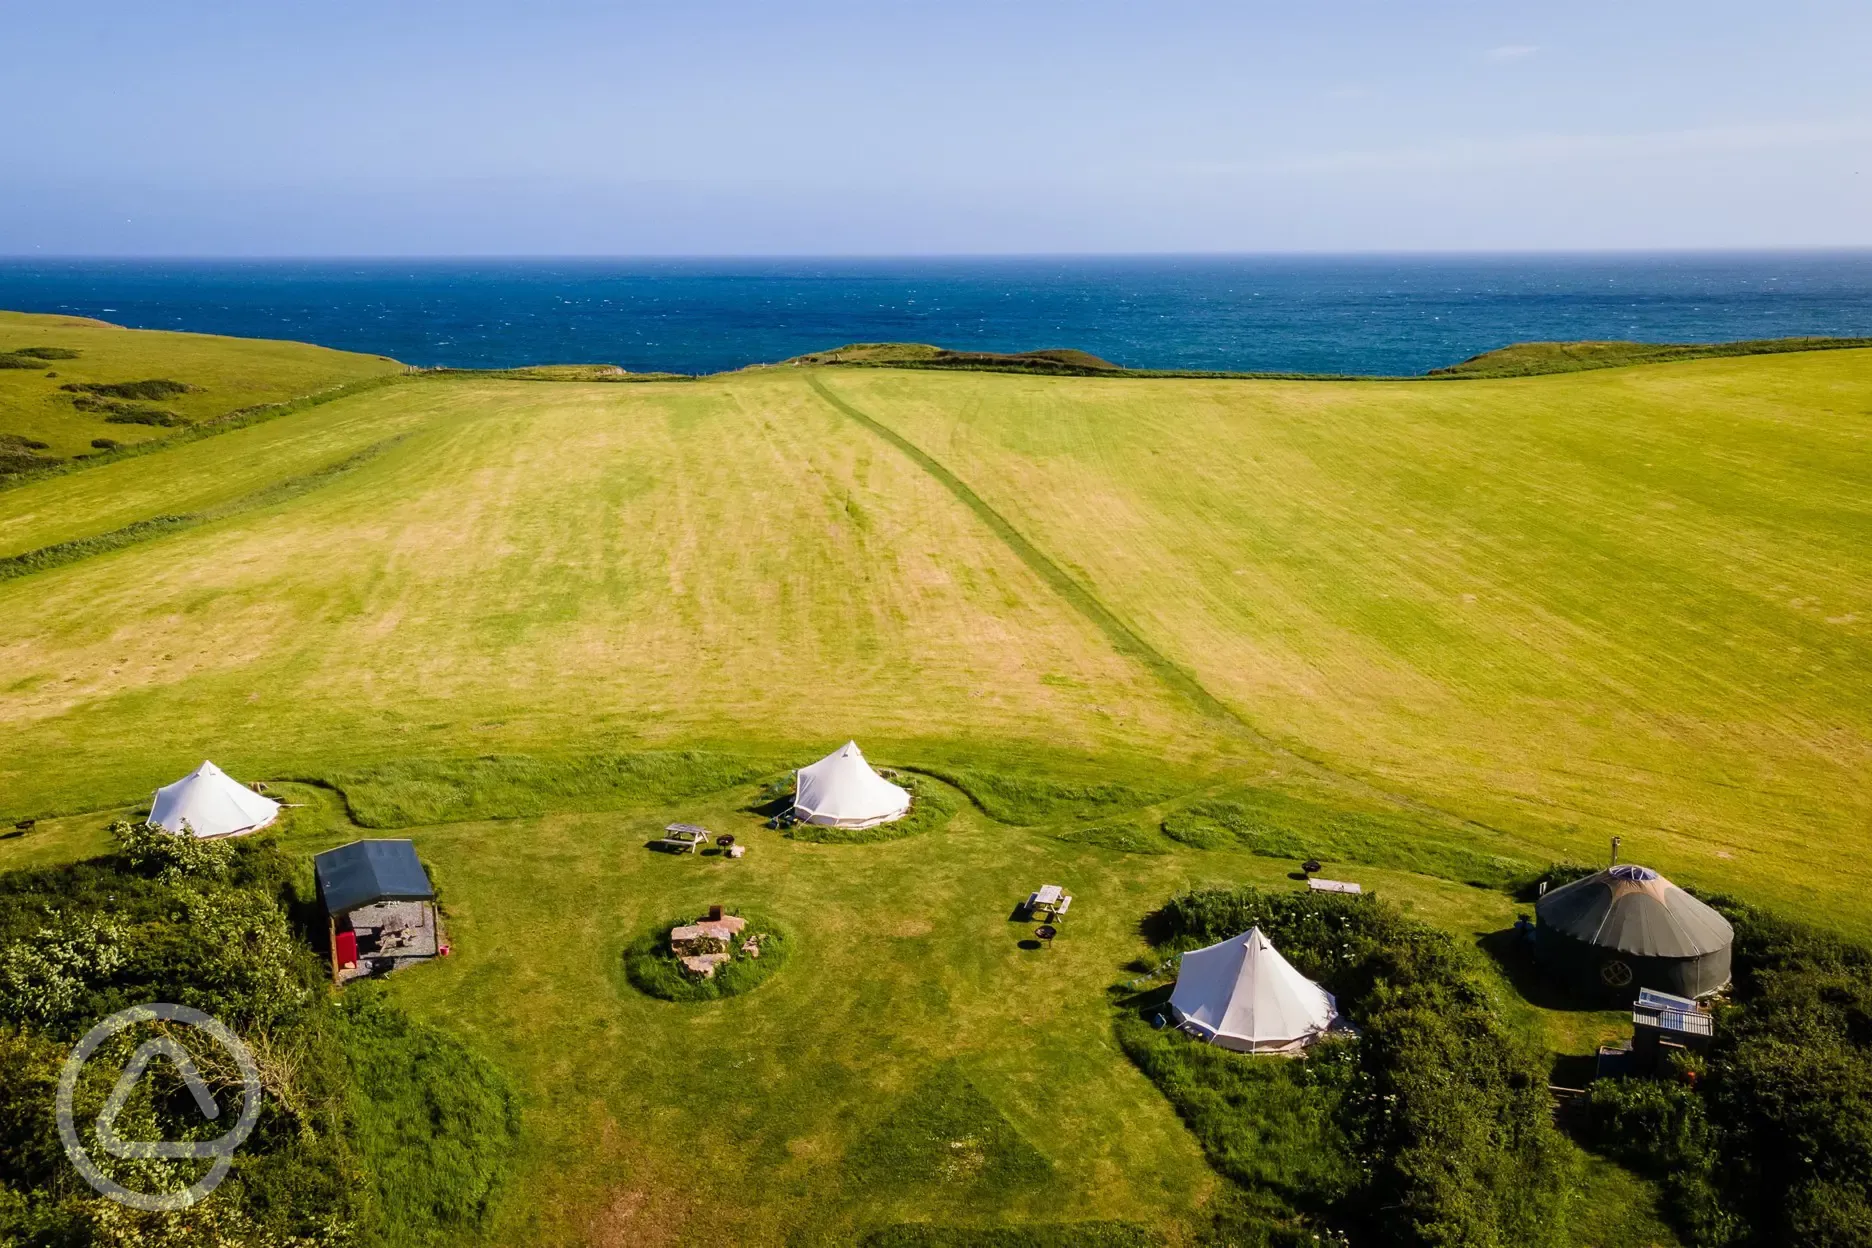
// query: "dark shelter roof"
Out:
[1635,910]
[365,872]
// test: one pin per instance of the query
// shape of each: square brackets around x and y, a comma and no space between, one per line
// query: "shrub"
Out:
[1661,1129]
[139,414]
[151,850]
[152,388]
[105,444]
[19,359]
[653,969]
[47,353]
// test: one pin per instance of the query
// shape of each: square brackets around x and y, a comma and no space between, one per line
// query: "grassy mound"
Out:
[1026,798]
[413,792]
[1279,825]
[1528,359]
[932,805]
[1059,361]
[1122,838]
[652,969]
[1431,1128]
[47,362]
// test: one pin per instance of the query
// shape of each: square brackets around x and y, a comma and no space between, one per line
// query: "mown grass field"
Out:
[1440,633]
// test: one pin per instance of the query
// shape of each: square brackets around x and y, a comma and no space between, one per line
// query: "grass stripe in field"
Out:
[1125,639]
[1120,634]
[63,553]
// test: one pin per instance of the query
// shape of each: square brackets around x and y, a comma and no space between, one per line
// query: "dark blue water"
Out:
[1366,314]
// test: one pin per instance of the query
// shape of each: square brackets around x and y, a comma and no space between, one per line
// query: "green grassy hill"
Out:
[67,382]
[1154,632]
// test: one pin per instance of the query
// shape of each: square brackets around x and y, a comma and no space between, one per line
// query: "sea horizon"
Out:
[1369,313]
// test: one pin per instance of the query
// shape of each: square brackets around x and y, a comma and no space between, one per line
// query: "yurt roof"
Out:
[208,802]
[1635,910]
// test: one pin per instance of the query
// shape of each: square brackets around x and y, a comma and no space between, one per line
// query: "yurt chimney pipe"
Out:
[1616,842]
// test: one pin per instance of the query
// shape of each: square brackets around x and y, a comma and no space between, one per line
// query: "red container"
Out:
[346,953]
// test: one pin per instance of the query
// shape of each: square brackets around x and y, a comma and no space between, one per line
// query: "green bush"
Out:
[47,353]
[152,388]
[1431,1129]
[139,414]
[19,359]
[653,970]
[1661,1129]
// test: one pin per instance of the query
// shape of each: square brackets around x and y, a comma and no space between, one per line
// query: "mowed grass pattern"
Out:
[547,567]
[1635,601]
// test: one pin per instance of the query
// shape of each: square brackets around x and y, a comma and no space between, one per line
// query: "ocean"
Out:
[1318,314]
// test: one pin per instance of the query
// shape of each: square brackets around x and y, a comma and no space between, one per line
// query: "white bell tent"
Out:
[841,791]
[206,803]
[1242,995]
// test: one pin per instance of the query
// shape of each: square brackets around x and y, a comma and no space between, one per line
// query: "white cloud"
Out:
[1511,52]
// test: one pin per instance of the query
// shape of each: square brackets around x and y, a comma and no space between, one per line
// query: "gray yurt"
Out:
[1628,928]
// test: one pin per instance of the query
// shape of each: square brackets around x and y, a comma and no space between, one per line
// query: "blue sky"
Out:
[742,127]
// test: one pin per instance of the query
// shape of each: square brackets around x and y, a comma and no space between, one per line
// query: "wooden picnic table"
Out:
[1051,900]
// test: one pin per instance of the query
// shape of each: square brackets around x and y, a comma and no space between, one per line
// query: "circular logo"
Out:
[1616,974]
[221,1150]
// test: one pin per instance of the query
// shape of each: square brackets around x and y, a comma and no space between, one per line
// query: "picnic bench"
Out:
[684,838]
[1333,886]
[1050,900]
